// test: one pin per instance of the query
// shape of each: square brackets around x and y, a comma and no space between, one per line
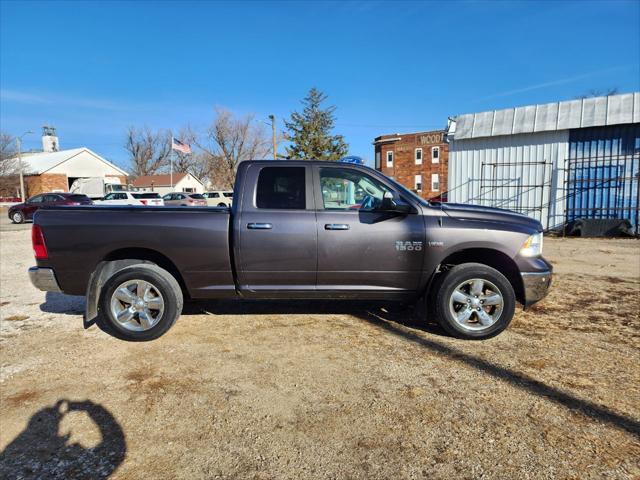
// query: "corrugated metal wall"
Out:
[524,172]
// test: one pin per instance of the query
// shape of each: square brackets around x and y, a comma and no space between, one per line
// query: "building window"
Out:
[389,159]
[418,183]
[435,155]
[378,160]
[435,182]
[418,156]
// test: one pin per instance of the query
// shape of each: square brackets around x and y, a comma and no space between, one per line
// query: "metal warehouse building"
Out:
[555,162]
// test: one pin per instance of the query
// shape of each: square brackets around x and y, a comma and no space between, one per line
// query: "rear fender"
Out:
[104,270]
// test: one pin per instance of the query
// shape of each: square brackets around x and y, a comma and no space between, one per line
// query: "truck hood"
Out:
[462,211]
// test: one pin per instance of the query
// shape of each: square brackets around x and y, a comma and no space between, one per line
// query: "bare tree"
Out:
[595,92]
[230,140]
[9,166]
[149,151]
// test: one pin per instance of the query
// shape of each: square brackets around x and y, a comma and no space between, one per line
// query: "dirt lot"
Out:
[325,390]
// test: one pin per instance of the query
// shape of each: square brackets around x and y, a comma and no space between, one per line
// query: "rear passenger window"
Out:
[281,188]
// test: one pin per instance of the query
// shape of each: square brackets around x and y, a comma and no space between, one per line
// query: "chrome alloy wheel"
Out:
[476,304]
[17,217]
[137,305]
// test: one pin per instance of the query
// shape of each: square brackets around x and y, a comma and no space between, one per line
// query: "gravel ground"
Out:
[327,390]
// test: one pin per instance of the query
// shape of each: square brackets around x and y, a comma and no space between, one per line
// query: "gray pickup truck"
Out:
[297,230]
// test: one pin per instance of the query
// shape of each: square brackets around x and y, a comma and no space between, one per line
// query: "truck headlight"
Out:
[533,246]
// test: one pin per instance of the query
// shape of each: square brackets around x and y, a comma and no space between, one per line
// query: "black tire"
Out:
[448,282]
[17,217]
[162,281]
[222,204]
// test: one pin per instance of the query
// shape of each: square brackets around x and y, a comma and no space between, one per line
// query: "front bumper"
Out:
[44,279]
[536,286]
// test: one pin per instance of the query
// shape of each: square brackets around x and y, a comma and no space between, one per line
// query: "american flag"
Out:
[179,146]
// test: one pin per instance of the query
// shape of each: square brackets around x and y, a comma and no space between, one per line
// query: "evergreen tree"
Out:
[310,131]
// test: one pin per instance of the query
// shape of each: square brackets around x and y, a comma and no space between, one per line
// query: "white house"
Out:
[179,182]
[56,171]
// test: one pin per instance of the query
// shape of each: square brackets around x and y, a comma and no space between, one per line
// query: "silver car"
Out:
[184,199]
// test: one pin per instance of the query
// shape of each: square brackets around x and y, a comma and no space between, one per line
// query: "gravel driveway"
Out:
[296,390]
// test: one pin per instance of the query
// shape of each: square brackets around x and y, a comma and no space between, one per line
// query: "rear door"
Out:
[275,228]
[51,199]
[361,249]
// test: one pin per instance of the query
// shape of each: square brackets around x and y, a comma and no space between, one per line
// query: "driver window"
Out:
[347,189]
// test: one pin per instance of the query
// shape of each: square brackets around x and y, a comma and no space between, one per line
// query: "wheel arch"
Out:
[151,256]
[119,259]
[491,258]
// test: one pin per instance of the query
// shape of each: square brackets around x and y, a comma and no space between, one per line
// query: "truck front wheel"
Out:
[473,301]
[141,302]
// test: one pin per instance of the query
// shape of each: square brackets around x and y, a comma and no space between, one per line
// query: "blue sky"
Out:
[92,69]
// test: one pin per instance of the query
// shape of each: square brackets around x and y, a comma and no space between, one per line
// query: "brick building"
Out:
[56,171]
[417,160]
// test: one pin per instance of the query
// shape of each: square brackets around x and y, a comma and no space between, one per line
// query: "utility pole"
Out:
[273,136]
[20,164]
[19,145]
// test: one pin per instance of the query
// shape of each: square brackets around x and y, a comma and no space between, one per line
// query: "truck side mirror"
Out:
[394,204]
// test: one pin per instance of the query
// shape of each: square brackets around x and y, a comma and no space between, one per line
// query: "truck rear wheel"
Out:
[473,301]
[141,302]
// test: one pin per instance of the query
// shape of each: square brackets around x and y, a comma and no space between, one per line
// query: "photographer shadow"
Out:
[40,451]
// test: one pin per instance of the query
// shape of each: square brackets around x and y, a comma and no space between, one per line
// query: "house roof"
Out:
[41,162]
[580,113]
[160,180]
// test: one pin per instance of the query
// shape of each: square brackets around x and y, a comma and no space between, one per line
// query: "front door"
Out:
[360,248]
[276,249]
[32,205]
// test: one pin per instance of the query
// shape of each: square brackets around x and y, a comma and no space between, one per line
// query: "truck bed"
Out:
[190,241]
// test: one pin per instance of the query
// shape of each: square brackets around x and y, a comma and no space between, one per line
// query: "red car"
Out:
[24,211]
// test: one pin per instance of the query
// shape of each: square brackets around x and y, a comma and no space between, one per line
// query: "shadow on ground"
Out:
[55,302]
[40,451]
[406,324]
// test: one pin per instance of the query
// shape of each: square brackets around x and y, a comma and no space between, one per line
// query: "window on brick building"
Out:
[418,183]
[418,156]
[378,160]
[435,182]
[389,159]
[435,155]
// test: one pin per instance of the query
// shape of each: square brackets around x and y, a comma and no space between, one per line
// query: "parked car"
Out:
[149,198]
[131,198]
[220,198]
[286,237]
[24,211]
[185,199]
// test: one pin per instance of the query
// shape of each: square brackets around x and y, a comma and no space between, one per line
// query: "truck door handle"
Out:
[259,226]
[336,226]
